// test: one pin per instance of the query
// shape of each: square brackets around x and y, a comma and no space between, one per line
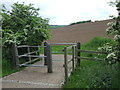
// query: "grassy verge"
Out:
[7,68]
[94,74]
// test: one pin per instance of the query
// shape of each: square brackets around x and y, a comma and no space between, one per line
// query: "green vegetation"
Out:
[104,74]
[56,26]
[22,25]
[8,68]
[94,74]
[80,22]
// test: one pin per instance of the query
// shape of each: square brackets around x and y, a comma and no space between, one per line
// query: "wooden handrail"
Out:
[90,51]
[89,58]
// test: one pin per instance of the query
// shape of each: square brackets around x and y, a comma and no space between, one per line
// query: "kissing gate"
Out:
[46,54]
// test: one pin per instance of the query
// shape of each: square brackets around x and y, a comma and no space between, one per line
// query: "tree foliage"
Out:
[23,25]
[80,22]
[114,29]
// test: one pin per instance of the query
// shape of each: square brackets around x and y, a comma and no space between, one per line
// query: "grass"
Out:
[7,68]
[94,74]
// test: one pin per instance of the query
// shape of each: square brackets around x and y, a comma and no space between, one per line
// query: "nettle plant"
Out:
[113,51]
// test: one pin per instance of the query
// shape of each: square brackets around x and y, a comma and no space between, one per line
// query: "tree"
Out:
[114,29]
[22,25]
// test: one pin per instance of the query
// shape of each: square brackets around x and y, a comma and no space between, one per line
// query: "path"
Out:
[37,77]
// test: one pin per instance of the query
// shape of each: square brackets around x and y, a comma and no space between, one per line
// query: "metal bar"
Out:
[89,51]
[22,46]
[69,61]
[65,65]
[27,54]
[31,56]
[61,52]
[30,61]
[27,46]
[62,43]
[57,52]
[70,47]
[33,65]
[89,58]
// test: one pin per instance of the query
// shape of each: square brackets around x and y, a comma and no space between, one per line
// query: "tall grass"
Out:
[94,74]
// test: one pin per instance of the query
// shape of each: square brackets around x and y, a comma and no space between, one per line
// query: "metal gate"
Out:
[46,56]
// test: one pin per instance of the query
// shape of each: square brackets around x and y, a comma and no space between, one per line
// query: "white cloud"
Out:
[68,11]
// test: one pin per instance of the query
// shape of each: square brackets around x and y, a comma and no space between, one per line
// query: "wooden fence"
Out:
[76,58]
[47,56]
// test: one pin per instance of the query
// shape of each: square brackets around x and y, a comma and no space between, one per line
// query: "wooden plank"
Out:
[65,65]
[89,58]
[90,51]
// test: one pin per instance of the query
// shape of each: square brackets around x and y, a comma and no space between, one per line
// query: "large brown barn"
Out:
[79,32]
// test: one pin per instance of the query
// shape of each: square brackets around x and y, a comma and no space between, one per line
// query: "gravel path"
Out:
[37,77]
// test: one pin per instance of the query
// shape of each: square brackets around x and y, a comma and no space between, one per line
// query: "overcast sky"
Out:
[64,12]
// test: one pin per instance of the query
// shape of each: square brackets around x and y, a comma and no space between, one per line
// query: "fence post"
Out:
[45,53]
[66,64]
[78,53]
[15,56]
[49,59]
[73,58]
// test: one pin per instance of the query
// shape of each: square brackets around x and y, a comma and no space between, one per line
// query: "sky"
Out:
[64,12]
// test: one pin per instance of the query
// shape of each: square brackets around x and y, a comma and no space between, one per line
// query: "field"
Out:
[79,32]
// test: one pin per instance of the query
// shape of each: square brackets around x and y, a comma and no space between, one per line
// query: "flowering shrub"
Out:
[113,52]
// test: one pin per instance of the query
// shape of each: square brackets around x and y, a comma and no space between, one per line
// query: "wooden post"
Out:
[73,58]
[45,53]
[49,59]
[78,54]
[15,56]
[66,64]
